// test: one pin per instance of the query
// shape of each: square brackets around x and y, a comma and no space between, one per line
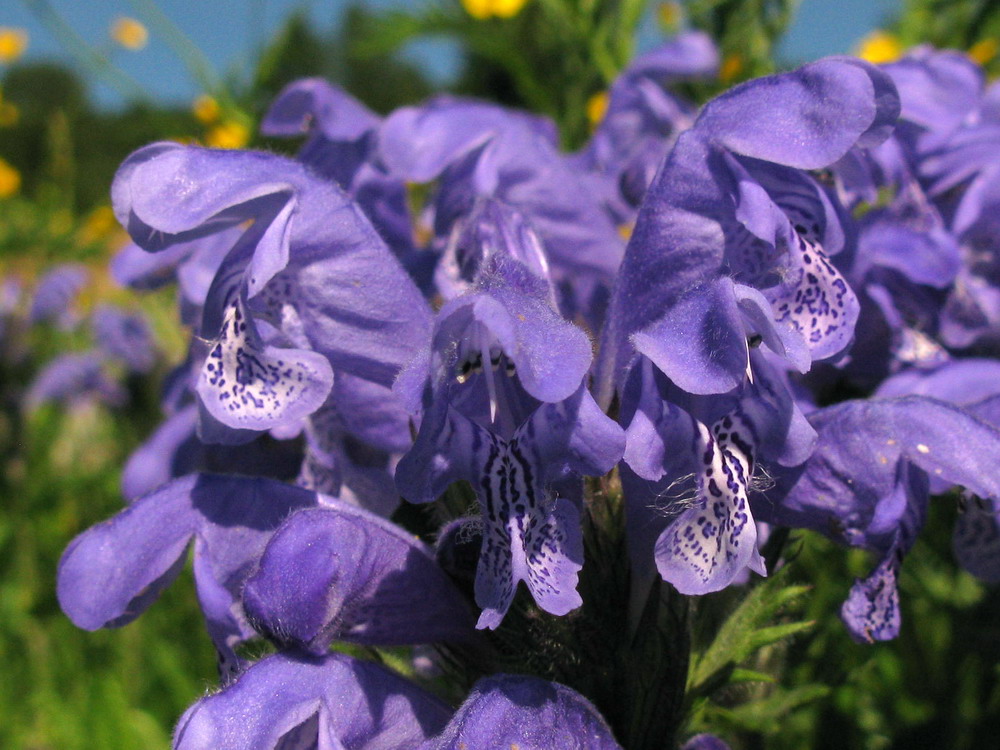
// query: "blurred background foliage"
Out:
[938,685]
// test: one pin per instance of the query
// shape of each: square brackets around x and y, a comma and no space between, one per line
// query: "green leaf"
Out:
[747,629]
[776,633]
[749,675]
[765,714]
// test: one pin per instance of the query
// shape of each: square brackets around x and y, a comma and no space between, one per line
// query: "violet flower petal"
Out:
[525,712]
[846,488]
[340,573]
[871,611]
[333,703]
[807,118]
[315,103]
[354,302]
[700,343]
[704,742]
[418,143]
[110,573]
[124,336]
[55,291]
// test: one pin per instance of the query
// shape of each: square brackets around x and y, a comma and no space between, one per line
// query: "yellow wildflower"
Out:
[205,109]
[597,105]
[13,43]
[129,33]
[98,224]
[880,47]
[10,180]
[984,50]
[484,9]
[732,66]
[228,134]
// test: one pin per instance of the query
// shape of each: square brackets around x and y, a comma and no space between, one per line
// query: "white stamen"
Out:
[490,383]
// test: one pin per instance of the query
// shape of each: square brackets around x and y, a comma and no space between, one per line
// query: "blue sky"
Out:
[229,32]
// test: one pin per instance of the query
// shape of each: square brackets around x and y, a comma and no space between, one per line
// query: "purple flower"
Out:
[730,252]
[973,384]
[294,298]
[336,701]
[479,150]
[124,336]
[113,571]
[731,203]
[691,463]
[867,485]
[332,701]
[506,408]
[518,711]
[55,292]
[643,119]
[73,378]
[339,573]
[341,146]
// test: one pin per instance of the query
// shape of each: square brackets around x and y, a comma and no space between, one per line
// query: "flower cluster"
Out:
[122,343]
[411,308]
